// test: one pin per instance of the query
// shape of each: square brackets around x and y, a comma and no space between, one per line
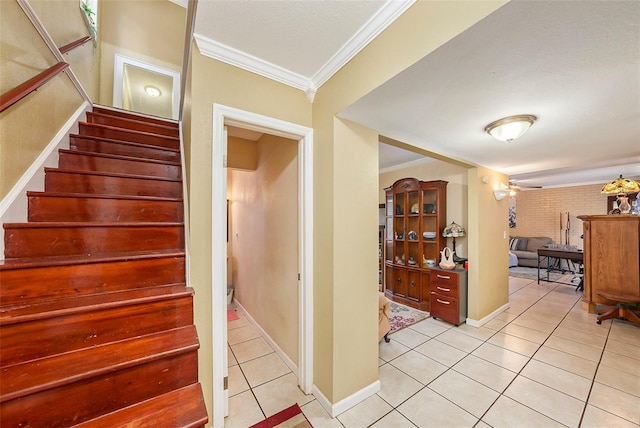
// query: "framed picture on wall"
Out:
[512,213]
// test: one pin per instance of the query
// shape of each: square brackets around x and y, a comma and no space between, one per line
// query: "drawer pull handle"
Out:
[399,280]
[443,276]
[413,283]
[443,302]
[443,289]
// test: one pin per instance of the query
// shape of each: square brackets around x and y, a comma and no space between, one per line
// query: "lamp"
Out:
[502,192]
[454,230]
[511,127]
[621,187]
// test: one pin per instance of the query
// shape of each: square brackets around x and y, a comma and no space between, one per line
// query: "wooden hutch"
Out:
[415,214]
[611,258]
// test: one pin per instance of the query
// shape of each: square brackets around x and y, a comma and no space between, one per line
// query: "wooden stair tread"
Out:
[114,111]
[100,196]
[31,262]
[118,157]
[17,313]
[126,143]
[58,370]
[111,174]
[130,131]
[130,123]
[159,411]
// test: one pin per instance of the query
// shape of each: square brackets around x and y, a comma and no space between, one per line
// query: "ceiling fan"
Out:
[516,188]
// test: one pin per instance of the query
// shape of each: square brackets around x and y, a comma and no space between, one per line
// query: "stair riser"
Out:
[57,181]
[127,115]
[48,208]
[73,403]
[114,148]
[38,242]
[125,135]
[57,335]
[131,124]
[70,160]
[56,282]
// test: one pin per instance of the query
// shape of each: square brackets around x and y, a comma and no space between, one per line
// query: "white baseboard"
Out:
[345,404]
[13,207]
[492,315]
[292,366]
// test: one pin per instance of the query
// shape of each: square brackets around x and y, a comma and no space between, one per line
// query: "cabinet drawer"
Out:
[445,283]
[445,308]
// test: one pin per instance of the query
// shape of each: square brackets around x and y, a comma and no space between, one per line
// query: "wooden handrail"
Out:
[81,41]
[19,92]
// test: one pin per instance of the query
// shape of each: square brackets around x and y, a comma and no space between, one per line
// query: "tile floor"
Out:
[542,363]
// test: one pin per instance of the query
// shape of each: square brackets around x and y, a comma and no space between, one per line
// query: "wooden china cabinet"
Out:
[415,213]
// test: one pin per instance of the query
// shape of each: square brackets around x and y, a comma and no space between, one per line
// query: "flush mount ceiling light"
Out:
[152,91]
[510,128]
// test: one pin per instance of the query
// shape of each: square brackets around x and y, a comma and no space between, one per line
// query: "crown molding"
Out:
[384,17]
[388,13]
[235,57]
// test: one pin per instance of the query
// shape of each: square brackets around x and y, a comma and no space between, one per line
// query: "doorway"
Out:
[228,116]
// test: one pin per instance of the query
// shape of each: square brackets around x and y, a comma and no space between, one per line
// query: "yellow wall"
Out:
[22,56]
[64,21]
[538,211]
[242,153]
[216,82]
[148,31]
[354,307]
[487,238]
[263,240]
[420,30]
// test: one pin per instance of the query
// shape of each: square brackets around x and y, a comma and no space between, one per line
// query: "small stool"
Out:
[625,308]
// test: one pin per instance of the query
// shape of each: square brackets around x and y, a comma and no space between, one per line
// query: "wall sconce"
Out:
[502,192]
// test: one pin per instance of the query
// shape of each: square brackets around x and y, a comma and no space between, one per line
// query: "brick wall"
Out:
[538,211]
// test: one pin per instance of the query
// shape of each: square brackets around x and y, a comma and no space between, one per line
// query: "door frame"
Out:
[223,116]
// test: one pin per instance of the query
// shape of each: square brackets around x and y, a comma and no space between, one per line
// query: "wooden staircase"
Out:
[96,321]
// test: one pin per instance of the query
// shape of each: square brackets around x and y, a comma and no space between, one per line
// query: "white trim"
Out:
[118,76]
[185,209]
[384,17]
[224,115]
[378,22]
[240,59]
[406,165]
[492,315]
[288,361]
[345,404]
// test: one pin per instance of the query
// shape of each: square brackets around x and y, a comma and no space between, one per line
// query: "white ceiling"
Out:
[575,65]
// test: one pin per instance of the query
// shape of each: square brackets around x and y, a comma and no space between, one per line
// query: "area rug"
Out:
[232,315]
[402,316]
[291,417]
[532,273]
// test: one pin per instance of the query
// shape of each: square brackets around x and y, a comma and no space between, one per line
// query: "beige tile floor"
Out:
[542,363]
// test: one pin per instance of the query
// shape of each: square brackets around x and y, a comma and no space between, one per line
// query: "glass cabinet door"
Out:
[429,226]
[399,229]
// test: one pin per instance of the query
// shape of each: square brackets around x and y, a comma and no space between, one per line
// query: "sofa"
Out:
[526,249]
